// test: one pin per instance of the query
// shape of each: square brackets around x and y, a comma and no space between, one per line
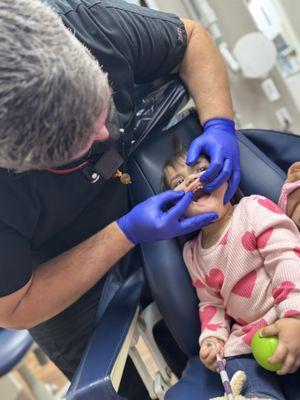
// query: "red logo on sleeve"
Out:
[179,34]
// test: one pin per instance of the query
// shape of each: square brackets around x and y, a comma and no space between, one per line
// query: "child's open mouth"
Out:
[200,193]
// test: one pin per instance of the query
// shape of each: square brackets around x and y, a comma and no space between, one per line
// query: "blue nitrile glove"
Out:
[148,221]
[219,142]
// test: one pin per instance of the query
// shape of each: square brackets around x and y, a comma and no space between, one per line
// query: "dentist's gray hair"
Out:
[51,90]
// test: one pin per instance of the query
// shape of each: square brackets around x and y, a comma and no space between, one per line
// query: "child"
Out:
[246,271]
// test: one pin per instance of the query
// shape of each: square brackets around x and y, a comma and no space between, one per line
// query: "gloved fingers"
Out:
[222,177]
[168,196]
[215,165]
[179,208]
[194,151]
[197,222]
[233,185]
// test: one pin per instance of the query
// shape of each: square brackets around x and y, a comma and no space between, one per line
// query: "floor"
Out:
[48,373]
[51,375]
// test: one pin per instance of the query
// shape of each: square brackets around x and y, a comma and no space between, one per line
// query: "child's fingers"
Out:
[210,361]
[280,354]
[207,347]
[208,364]
[203,354]
[211,358]
[221,352]
[270,330]
[292,369]
[298,361]
[211,365]
[204,351]
[288,364]
[207,351]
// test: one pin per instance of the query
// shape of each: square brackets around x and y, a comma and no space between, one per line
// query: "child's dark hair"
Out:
[179,154]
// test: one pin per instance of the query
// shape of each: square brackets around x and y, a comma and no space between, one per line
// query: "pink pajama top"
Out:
[250,278]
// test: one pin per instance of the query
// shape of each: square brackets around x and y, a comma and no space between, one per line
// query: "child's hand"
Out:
[293,206]
[293,199]
[288,349]
[208,352]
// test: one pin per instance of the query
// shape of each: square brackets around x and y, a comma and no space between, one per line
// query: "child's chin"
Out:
[190,213]
[197,210]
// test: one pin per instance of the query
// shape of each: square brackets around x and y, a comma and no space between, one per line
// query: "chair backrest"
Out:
[165,270]
[282,149]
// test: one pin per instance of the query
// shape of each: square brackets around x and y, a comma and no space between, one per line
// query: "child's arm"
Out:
[214,320]
[212,314]
[215,325]
[278,242]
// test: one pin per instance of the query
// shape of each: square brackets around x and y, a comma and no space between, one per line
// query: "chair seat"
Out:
[197,382]
[13,346]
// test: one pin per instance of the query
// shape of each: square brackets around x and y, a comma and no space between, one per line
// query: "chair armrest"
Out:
[13,347]
[99,373]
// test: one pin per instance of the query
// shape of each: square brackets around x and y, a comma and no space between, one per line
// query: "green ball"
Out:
[263,348]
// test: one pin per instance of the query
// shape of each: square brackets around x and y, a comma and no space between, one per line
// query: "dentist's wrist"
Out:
[124,231]
[227,123]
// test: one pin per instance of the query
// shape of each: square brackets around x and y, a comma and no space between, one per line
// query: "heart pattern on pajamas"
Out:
[251,329]
[215,279]
[250,242]
[282,291]
[267,203]
[245,286]
[206,315]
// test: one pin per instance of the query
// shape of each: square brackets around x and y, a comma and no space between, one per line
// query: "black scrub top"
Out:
[43,214]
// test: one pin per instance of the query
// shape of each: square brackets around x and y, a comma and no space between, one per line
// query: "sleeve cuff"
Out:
[287,188]
[221,334]
[289,307]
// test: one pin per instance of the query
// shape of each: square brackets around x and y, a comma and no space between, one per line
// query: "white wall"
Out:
[173,6]
[292,11]
[250,103]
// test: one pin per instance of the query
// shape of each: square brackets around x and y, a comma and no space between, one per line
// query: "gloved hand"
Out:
[148,221]
[219,142]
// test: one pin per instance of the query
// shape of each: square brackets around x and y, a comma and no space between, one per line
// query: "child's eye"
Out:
[177,183]
[201,169]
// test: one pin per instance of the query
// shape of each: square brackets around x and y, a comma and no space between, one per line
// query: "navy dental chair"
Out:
[13,347]
[167,276]
[121,322]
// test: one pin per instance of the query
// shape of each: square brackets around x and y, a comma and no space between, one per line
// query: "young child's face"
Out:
[184,177]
